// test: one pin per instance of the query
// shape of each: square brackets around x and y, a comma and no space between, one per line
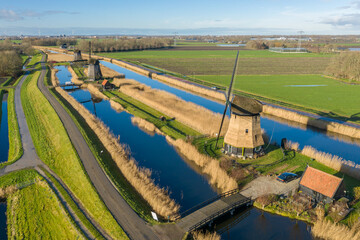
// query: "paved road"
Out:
[29,158]
[132,224]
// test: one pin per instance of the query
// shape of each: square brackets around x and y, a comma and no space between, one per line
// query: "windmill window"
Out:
[255,138]
[246,130]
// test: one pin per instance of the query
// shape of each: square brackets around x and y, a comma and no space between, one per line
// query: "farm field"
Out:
[221,62]
[330,95]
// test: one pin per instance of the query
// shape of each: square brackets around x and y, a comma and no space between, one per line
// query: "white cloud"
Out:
[12,16]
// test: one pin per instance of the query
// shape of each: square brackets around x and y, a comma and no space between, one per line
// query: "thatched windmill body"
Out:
[94,71]
[243,137]
[77,55]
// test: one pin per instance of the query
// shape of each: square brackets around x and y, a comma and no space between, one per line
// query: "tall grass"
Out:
[74,76]
[140,178]
[210,166]
[106,72]
[348,167]
[54,78]
[331,231]
[201,235]
[292,145]
[191,87]
[116,106]
[188,113]
[96,92]
[318,123]
[142,123]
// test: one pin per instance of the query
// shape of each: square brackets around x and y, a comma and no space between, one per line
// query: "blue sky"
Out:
[185,17]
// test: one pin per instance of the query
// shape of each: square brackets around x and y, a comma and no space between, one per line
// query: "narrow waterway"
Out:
[3,226]
[184,180]
[4,130]
[169,170]
[335,144]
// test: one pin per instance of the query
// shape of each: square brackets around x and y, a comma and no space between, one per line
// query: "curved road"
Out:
[134,226]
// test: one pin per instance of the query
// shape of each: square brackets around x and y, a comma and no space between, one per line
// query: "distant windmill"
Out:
[243,137]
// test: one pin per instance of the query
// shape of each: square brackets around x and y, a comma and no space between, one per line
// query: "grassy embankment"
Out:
[33,210]
[35,59]
[54,147]
[74,207]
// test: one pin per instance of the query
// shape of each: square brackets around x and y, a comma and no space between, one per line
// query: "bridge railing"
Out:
[219,213]
[207,202]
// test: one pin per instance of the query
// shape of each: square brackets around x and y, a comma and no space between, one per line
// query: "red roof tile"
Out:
[104,82]
[321,182]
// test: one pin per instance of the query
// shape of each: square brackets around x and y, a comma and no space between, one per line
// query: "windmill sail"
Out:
[228,96]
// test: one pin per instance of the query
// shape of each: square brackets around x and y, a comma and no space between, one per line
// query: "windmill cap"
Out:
[245,106]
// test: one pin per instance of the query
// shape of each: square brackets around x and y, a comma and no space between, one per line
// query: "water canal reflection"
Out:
[4,130]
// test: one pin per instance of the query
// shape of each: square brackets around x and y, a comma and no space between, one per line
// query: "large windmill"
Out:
[243,137]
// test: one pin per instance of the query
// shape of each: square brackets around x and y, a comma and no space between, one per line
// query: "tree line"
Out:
[345,65]
[124,44]
[10,57]
[49,41]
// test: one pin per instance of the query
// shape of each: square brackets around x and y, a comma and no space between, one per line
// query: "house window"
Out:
[246,130]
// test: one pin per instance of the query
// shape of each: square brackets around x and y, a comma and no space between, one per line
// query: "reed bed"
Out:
[116,106]
[74,76]
[188,113]
[200,235]
[292,145]
[96,92]
[210,166]
[140,178]
[331,231]
[191,87]
[59,57]
[54,78]
[348,167]
[142,123]
[321,124]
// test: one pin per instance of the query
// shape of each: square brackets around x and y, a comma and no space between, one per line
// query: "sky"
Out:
[158,17]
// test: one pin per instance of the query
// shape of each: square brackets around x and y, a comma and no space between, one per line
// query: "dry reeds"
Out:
[210,166]
[348,167]
[142,123]
[188,113]
[59,57]
[139,178]
[318,123]
[74,77]
[331,231]
[54,78]
[200,235]
[107,72]
[116,106]
[4,192]
[191,87]
[96,92]
[289,145]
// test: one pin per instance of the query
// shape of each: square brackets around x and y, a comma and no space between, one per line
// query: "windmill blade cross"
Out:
[228,97]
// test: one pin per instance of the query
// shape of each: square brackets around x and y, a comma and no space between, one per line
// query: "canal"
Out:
[4,129]
[335,144]
[186,184]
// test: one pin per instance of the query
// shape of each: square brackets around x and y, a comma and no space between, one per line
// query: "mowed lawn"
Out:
[221,62]
[332,96]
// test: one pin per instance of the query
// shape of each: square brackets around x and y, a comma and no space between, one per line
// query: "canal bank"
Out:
[124,125]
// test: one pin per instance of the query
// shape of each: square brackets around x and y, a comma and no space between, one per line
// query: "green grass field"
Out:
[55,148]
[335,97]
[221,62]
[15,146]
[34,212]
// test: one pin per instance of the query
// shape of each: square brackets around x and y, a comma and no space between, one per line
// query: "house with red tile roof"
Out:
[321,186]
[106,84]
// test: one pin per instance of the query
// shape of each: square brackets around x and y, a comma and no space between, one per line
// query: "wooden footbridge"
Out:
[206,212]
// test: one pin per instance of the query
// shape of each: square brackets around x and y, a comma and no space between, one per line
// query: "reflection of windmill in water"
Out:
[94,100]
[243,137]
